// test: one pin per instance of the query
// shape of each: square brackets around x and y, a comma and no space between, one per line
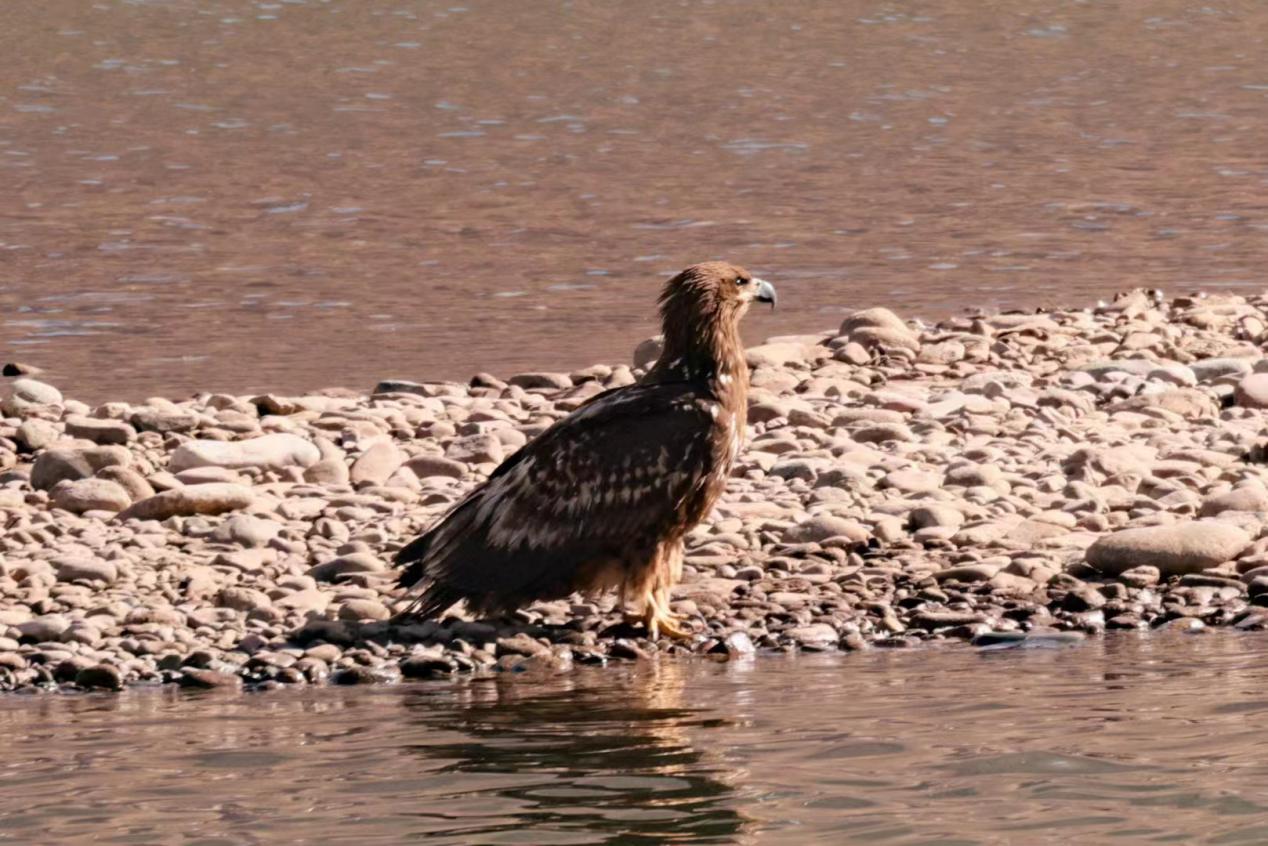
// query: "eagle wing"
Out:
[608,481]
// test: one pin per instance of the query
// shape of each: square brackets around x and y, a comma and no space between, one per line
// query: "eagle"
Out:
[603,499]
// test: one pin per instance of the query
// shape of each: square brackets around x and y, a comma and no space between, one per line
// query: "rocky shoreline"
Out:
[1000,479]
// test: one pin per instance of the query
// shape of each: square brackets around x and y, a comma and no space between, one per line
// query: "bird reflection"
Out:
[609,761]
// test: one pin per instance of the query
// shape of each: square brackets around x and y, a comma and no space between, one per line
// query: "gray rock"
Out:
[328,471]
[1246,498]
[826,526]
[128,479]
[100,431]
[59,465]
[83,495]
[553,381]
[267,452]
[35,392]
[246,530]
[1210,369]
[36,434]
[476,449]
[244,599]
[43,628]
[78,568]
[814,637]
[943,516]
[364,609]
[648,351]
[164,421]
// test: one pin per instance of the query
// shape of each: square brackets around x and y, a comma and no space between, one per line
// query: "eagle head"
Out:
[700,312]
[714,290]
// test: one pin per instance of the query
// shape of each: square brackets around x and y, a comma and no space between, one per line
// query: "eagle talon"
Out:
[658,624]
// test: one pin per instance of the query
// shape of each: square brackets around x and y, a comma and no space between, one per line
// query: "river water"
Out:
[1126,739]
[236,195]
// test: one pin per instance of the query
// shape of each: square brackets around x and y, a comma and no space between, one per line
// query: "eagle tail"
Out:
[436,595]
[413,554]
[431,603]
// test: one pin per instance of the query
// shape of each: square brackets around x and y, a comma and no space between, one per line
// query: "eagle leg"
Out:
[658,620]
[650,585]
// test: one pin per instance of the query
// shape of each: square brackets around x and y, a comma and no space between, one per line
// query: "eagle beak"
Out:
[765,293]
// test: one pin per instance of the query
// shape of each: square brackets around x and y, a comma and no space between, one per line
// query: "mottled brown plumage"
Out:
[603,498]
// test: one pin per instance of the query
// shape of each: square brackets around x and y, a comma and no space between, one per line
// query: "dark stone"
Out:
[520,644]
[100,677]
[354,675]
[1210,580]
[290,675]
[57,465]
[69,669]
[853,642]
[402,386]
[625,648]
[426,667]
[1083,598]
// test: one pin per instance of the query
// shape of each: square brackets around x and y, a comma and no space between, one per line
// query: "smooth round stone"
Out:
[1175,549]
[83,495]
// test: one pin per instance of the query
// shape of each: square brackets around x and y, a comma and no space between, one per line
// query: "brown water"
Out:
[221,194]
[1122,740]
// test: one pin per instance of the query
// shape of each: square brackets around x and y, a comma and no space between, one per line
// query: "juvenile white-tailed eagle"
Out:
[603,498]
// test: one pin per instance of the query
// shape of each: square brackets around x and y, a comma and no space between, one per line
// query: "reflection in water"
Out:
[203,192]
[1127,739]
[616,768]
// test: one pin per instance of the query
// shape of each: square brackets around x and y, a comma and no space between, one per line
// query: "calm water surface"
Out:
[223,194]
[1122,740]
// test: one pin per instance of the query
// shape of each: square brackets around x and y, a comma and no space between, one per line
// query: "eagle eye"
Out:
[740,280]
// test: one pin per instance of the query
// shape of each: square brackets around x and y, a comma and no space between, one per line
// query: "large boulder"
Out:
[30,394]
[1175,549]
[879,327]
[57,465]
[267,452]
